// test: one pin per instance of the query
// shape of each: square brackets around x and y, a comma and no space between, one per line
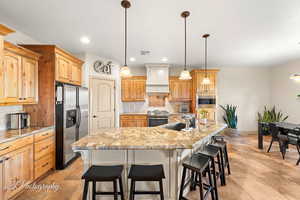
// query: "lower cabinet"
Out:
[24,160]
[17,171]
[1,179]
[43,156]
[133,121]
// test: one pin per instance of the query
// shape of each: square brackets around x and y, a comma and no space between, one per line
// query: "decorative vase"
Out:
[232,131]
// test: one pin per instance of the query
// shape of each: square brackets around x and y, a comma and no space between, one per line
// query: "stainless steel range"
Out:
[157,117]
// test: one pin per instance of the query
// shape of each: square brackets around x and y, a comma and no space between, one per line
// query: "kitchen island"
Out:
[146,145]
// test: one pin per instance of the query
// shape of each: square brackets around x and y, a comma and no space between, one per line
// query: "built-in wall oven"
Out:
[206,100]
[157,118]
[157,121]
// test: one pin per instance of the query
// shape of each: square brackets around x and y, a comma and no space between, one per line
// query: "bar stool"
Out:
[198,164]
[221,144]
[146,173]
[103,174]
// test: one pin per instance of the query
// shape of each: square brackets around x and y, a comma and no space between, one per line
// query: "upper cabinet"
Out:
[180,90]
[133,89]
[18,75]
[68,68]
[55,64]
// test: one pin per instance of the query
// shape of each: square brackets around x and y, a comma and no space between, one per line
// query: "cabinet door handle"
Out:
[94,116]
[6,158]
[42,149]
[4,148]
[44,165]
[45,134]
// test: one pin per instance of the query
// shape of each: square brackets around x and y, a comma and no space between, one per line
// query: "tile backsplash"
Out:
[143,107]
[4,110]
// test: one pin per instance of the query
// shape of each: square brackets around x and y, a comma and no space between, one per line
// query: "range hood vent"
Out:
[157,79]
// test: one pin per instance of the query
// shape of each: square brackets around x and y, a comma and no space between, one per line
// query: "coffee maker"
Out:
[18,120]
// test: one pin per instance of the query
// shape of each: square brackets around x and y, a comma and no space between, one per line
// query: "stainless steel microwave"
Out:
[206,101]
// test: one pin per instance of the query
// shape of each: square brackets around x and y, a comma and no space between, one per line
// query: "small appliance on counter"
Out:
[18,120]
[184,108]
[190,122]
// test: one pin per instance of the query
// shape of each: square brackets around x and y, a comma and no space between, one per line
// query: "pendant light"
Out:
[295,77]
[206,80]
[125,71]
[185,74]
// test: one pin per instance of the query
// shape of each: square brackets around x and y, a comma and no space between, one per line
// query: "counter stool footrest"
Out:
[146,192]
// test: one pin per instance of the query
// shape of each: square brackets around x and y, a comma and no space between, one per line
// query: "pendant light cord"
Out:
[125,37]
[206,57]
[185,43]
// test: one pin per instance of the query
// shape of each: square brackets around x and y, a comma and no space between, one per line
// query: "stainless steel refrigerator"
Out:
[71,108]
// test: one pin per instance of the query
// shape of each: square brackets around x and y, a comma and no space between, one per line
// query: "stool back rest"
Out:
[274,130]
[217,138]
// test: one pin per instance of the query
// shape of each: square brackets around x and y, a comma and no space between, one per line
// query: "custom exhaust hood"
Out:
[157,79]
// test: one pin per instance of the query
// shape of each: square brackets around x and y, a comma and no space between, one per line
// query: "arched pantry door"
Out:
[102,104]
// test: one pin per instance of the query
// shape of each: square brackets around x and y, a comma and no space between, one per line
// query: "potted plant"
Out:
[230,117]
[203,116]
[269,116]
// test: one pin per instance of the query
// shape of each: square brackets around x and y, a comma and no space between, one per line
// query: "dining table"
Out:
[284,127]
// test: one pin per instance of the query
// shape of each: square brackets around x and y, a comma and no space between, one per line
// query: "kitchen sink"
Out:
[174,126]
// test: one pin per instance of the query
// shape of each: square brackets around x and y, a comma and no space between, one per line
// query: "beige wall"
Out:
[285,91]
[247,88]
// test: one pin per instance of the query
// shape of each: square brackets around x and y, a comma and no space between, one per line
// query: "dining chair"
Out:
[274,130]
[293,138]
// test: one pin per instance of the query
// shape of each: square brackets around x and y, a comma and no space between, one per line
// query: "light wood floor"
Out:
[256,175]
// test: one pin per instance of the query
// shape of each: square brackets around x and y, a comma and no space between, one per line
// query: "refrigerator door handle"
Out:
[78,116]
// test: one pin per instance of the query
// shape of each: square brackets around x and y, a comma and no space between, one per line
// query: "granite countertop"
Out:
[133,114]
[10,135]
[145,138]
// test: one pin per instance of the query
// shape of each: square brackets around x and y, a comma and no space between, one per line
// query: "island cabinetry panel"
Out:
[19,76]
[180,90]
[133,88]
[133,120]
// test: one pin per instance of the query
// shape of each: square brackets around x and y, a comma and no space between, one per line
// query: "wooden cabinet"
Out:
[1,179]
[68,70]
[63,69]
[10,74]
[24,160]
[133,89]
[200,89]
[29,73]
[19,75]
[55,64]
[44,153]
[76,74]
[17,170]
[180,90]
[133,120]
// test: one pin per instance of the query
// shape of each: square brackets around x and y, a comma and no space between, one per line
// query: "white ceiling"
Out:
[243,32]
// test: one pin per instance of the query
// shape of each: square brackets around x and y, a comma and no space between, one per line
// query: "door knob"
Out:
[94,116]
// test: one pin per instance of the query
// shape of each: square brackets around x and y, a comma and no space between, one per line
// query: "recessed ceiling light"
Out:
[85,40]
[164,59]
[132,59]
